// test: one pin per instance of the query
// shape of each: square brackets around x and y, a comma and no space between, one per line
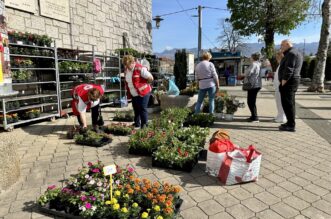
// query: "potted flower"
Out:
[118,129]
[200,119]
[91,138]
[232,105]
[145,141]
[176,155]
[87,195]
[124,116]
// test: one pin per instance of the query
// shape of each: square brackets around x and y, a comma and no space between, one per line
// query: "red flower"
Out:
[89,164]
[179,152]
[185,154]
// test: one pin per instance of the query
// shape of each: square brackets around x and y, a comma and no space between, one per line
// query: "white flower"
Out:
[94,208]
[82,208]
[87,176]
[99,184]
[91,182]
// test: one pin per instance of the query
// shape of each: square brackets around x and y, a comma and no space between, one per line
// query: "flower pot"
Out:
[228,117]
[187,166]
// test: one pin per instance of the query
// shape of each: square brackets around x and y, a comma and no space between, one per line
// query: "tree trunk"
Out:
[319,72]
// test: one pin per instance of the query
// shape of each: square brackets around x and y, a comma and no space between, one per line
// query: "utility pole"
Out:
[199,31]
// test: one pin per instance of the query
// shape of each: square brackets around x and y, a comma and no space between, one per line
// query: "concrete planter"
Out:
[181,101]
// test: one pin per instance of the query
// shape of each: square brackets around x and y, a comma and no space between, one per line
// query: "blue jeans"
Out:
[140,110]
[211,94]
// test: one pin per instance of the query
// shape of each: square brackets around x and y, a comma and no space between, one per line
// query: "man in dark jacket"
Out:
[289,78]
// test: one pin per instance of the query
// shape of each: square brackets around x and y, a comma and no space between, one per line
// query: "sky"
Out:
[180,30]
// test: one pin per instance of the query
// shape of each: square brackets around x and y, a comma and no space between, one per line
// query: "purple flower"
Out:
[96,170]
[93,198]
[117,182]
[51,187]
[88,205]
[83,198]
[89,164]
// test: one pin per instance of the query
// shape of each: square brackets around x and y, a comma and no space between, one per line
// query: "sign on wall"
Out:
[58,9]
[24,5]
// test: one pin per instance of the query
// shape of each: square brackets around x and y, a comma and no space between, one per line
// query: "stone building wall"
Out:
[101,23]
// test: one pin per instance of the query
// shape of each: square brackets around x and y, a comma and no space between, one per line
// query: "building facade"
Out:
[104,24]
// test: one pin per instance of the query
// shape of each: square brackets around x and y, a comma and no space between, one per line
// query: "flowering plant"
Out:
[146,140]
[193,135]
[124,116]
[200,119]
[118,129]
[87,194]
[92,138]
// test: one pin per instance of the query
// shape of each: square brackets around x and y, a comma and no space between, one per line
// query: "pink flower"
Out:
[89,164]
[93,198]
[130,169]
[88,205]
[83,198]
[96,170]
[51,187]
[133,132]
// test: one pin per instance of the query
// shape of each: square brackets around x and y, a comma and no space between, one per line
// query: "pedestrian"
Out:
[207,78]
[85,97]
[137,79]
[227,74]
[281,117]
[253,76]
[289,78]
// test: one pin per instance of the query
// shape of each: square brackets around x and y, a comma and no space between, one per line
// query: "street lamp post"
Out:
[199,31]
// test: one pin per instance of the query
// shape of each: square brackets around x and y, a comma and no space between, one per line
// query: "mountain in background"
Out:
[310,48]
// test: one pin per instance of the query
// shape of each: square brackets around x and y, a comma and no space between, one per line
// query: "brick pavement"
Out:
[295,177]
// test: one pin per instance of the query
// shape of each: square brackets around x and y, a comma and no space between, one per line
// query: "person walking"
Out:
[205,74]
[137,79]
[281,117]
[289,78]
[253,76]
[85,97]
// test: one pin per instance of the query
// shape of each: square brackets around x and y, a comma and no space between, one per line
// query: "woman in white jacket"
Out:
[281,117]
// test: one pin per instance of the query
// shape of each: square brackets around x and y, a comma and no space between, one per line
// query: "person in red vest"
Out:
[85,97]
[137,79]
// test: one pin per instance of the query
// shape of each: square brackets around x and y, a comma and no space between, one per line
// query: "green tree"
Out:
[180,69]
[267,17]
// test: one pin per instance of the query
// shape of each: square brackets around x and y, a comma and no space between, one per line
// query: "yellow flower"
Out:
[157,208]
[159,217]
[117,193]
[116,206]
[108,202]
[135,205]
[113,201]
[144,215]
[126,196]
[124,210]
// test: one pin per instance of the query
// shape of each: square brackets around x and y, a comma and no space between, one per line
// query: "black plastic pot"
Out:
[187,167]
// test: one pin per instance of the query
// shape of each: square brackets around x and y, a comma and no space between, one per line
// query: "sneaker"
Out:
[287,128]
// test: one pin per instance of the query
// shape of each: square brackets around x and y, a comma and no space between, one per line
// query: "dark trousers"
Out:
[140,110]
[251,101]
[287,94]
[94,114]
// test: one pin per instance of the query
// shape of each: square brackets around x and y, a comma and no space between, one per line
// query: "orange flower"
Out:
[168,210]
[162,198]
[154,201]
[155,191]
[176,189]
[149,196]
[137,180]
[168,203]
[170,197]
[119,186]
[137,188]
[156,184]
[130,191]
[128,186]
[146,181]
[131,177]
[144,189]
[148,186]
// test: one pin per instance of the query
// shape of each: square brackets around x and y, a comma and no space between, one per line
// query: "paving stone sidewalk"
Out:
[295,177]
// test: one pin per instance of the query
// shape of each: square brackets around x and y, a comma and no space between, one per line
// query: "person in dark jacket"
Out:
[289,78]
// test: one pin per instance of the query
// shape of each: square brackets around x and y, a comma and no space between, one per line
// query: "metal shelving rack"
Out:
[111,68]
[68,80]
[44,86]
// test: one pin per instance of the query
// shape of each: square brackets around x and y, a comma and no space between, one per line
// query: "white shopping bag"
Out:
[240,165]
